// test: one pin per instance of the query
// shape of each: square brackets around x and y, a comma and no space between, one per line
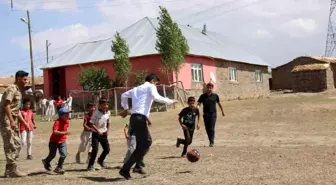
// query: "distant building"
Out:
[305,74]
[239,74]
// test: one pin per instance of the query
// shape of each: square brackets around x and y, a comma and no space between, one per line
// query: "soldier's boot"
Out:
[13,172]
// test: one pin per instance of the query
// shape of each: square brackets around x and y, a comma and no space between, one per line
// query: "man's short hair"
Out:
[103,100]
[21,74]
[209,85]
[151,77]
[191,99]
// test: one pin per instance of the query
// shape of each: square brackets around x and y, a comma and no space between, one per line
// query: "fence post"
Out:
[115,102]
[165,95]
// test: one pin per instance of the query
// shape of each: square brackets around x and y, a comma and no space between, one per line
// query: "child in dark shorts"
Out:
[187,119]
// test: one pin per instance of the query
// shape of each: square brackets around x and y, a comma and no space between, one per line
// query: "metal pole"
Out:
[31,60]
[47,50]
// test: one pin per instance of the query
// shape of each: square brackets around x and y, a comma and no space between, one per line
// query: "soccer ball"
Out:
[193,155]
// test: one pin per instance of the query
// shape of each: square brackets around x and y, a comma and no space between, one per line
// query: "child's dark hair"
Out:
[90,104]
[209,85]
[103,100]
[24,101]
[191,99]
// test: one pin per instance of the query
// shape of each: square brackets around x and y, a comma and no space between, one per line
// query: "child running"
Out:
[58,141]
[27,127]
[131,145]
[86,134]
[187,118]
[100,123]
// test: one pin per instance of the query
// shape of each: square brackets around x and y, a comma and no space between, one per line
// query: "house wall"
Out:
[330,78]
[152,64]
[311,81]
[246,86]
[185,75]
[282,75]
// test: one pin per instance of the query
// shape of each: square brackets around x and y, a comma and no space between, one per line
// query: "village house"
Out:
[239,74]
[305,74]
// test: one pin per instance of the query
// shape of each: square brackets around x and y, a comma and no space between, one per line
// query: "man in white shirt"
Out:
[68,104]
[100,123]
[142,99]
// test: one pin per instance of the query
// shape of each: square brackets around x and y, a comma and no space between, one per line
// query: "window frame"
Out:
[235,79]
[197,74]
[258,76]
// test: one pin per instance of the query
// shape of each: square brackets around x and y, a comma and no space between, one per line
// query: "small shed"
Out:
[312,78]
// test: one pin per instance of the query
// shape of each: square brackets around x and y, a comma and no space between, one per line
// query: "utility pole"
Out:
[47,49]
[31,56]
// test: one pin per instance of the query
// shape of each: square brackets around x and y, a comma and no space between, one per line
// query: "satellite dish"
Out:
[212,77]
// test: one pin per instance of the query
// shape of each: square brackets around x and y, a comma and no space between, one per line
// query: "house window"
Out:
[233,74]
[196,73]
[258,76]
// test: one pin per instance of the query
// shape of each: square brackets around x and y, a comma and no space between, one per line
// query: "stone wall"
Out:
[246,86]
[282,75]
[311,81]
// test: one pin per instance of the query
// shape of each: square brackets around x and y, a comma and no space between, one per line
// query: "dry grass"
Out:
[287,139]
[310,67]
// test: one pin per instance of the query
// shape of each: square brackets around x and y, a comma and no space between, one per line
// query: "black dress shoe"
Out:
[125,174]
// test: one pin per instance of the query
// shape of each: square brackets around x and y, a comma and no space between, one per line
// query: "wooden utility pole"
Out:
[31,58]
[47,49]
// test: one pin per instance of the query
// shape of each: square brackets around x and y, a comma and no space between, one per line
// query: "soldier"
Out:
[9,115]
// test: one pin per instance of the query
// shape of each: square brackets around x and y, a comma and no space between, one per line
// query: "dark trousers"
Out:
[210,123]
[62,148]
[103,140]
[138,123]
[188,136]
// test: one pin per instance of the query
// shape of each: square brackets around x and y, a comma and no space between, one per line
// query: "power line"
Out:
[105,5]
[221,13]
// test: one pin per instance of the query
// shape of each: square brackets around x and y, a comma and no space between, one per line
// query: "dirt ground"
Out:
[285,139]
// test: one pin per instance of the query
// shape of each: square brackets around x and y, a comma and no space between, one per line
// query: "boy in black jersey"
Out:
[187,118]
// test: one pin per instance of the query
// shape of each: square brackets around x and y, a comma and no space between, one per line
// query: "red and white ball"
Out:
[193,155]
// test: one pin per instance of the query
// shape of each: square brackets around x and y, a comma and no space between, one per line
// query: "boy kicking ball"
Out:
[187,118]
[58,141]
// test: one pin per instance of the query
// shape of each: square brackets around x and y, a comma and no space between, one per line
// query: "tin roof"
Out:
[141,39]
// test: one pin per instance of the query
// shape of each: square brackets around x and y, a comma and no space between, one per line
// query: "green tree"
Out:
[94,79]
[171,44]
[122,65]
[139,77]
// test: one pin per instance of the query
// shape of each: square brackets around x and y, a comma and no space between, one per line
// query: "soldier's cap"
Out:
[63,110]
[21,74]
[151,77]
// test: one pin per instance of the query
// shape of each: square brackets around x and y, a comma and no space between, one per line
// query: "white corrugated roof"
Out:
[141,38]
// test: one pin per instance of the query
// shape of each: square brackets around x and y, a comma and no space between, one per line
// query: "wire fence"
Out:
[81,98]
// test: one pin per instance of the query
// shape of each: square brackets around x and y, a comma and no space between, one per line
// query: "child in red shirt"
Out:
[27,127]
[58,141]
[86,134]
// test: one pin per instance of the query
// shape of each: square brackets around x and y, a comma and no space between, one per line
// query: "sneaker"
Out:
[59,170]
[90,168]
[211,145]
[13,172]
[177,143]
[29,157]
[139,170]
[125,174]
[78,158]
[46,165]
[102,164]
[183,155]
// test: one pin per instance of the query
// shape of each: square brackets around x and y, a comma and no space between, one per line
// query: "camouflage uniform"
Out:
[10,136]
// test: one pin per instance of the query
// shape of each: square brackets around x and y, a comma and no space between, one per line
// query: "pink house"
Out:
[238,73]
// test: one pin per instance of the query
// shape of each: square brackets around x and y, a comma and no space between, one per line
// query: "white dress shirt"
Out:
[142,98]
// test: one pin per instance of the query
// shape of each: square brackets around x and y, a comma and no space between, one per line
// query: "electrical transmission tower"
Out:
[331,37]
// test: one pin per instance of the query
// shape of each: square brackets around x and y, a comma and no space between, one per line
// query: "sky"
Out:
[276,31]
